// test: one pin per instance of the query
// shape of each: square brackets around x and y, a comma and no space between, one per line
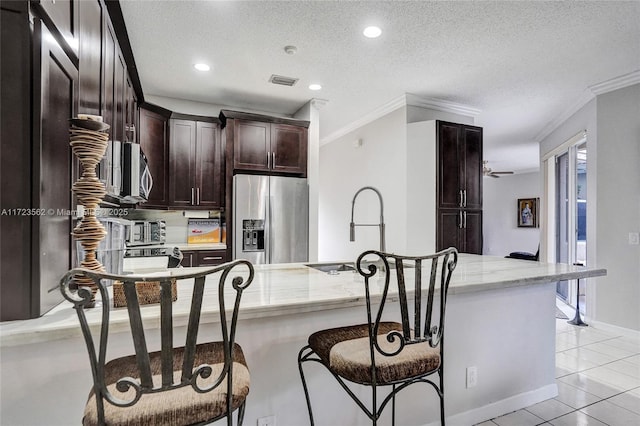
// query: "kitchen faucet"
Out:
[352,233]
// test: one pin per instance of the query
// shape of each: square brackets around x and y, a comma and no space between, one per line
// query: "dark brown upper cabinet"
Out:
[263,144]
[195,167]
[154,142]
[288,149]
[90,54]
[63,17]
[460,165]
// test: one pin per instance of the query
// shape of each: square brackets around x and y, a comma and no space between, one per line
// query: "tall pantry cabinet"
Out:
[444,192]
[54,65]
[459,191]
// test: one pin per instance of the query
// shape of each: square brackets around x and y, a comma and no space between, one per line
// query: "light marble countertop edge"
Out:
[317,291]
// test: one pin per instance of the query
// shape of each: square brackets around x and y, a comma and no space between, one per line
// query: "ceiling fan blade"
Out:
[502,173]
[493,175]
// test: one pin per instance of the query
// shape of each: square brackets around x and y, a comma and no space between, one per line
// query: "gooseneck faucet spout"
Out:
[352,225]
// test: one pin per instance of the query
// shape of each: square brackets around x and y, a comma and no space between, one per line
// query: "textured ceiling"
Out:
[522,64]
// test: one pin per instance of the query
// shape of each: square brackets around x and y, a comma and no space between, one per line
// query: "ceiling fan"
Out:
[487,171]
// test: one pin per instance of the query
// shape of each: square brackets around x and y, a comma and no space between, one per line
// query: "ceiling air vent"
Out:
[282,80]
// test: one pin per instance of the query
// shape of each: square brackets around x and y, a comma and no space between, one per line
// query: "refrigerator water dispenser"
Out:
[253,235]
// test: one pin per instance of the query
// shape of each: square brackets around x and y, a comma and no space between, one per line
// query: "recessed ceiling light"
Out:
[372,32]
[202,67]
[315,87]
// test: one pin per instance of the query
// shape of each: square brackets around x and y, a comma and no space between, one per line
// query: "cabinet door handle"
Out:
[460,204]
[191,260]
[465,219]
[212,258]
[273,160]
[268,160]
[192,197]
[465,200]
[198,196]
[460,223]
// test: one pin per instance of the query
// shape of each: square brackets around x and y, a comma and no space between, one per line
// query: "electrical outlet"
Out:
[472,377]
[267,421]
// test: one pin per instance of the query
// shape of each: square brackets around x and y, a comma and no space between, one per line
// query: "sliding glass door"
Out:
[571,214]
[563,219]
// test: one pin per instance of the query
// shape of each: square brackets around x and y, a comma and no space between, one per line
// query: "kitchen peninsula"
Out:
[500,319]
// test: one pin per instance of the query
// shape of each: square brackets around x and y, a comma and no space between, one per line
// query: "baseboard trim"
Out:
[499,408]
[628,332]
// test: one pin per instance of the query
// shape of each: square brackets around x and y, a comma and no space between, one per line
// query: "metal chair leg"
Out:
[441,394]
[304,383]
[393,406]
[241,413]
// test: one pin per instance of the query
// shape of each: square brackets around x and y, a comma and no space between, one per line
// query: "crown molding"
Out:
[441,105]
[552,125]
[407,99]
[616,83]
[607,86]
[381,111]
[318,103]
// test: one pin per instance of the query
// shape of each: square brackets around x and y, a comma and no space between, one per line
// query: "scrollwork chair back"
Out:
[404,345]
[184,383]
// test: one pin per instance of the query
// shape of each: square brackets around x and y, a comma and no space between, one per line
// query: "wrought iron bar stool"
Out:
[188,383]
[383,353]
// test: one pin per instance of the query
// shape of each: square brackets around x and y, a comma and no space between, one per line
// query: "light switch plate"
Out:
[634,238]
[472,377]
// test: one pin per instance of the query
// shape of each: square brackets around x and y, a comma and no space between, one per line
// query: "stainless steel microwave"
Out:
[136,175]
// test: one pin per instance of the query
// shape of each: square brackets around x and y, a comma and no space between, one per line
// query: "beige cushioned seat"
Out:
[345,351]
[178,406]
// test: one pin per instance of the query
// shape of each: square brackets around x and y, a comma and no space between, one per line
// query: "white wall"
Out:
[618,206]
[613,201]
[500,226]
[380,162]
[397,156]
[421,188]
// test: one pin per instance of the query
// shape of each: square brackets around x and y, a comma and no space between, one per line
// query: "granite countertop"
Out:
[283,289]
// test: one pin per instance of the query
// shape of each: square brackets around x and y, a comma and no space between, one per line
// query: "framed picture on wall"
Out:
[528,212]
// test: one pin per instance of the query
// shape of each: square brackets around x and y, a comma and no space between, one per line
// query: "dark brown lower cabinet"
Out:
[203,257]
[461,229]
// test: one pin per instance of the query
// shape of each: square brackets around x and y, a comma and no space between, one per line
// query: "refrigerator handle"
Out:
[269,221]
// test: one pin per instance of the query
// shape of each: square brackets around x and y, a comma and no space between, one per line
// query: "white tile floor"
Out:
[598,377]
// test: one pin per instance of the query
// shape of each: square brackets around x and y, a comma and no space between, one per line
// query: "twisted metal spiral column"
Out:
[88,139]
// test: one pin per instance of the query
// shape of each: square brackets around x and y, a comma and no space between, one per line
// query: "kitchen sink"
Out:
[332,268]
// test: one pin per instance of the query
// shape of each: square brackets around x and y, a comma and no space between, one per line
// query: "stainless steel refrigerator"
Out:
[270,219]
